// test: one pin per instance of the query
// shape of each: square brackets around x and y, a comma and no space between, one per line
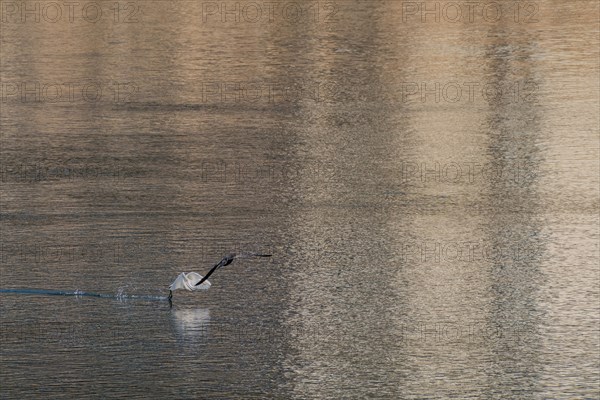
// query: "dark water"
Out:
[428,190]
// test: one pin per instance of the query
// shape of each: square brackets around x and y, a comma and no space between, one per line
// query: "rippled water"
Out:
[428,190]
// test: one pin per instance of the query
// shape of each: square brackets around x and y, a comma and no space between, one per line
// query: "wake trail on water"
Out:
[79,293]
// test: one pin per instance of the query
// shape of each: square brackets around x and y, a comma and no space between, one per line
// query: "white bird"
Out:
[192,281]
[188,281]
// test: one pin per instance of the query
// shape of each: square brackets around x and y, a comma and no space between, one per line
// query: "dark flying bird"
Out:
[193,281]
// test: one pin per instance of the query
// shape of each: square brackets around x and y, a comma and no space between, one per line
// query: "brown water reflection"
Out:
[429,191]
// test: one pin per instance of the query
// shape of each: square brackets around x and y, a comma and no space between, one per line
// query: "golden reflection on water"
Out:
[428,189]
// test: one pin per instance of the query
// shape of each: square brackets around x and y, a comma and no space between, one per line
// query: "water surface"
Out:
[428,190]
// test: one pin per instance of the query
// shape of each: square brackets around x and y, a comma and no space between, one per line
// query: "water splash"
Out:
[120,295]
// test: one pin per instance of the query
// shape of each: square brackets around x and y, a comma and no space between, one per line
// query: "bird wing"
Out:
[187,281]
[248,255]
[194,277]
[213,269]
[178,283]
[227,260]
